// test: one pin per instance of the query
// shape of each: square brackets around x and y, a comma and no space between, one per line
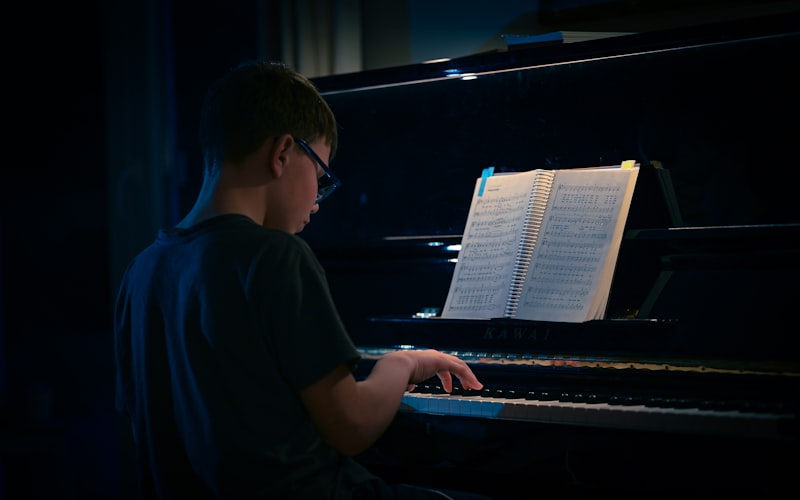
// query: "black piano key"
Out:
[594,398]
[665,402]
[429,389]
[514,394]
[548,396]
[626,400]
[462,392]
[541,396]
[580,397]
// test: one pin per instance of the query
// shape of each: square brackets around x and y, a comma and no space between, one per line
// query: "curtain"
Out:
[320,37]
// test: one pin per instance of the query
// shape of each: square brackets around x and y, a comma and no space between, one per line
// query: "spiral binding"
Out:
[534,216]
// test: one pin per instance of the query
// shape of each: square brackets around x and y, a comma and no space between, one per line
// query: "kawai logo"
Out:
[516,334]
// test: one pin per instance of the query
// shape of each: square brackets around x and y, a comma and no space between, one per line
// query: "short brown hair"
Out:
[256,100]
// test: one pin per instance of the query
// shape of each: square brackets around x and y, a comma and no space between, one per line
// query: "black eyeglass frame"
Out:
[326,184]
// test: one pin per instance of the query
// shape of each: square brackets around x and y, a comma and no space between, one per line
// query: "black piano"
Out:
[692,380]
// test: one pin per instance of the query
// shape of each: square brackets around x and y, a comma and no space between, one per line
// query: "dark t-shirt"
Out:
[218,329]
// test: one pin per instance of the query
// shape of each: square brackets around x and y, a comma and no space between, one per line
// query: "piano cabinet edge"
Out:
[509,459]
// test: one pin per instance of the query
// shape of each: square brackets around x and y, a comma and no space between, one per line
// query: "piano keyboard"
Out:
[624,413]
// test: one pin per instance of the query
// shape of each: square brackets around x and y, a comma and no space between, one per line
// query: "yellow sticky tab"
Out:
[628,163]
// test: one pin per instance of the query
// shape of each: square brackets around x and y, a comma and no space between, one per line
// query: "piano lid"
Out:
[700,100]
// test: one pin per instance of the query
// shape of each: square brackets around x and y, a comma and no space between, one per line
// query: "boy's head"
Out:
[257,100]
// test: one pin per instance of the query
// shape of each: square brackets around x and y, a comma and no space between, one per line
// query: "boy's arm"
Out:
[351,415]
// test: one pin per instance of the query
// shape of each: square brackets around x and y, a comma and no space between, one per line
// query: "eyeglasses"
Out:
[328,182]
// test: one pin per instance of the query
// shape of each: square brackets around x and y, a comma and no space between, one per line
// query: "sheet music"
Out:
[489,247]
[584,220]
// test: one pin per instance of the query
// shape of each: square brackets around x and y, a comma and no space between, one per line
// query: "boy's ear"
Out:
[279,154]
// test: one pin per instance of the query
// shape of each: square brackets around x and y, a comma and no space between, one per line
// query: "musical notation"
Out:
[574,242]
[540,244]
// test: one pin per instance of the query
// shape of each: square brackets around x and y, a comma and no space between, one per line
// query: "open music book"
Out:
[542,244]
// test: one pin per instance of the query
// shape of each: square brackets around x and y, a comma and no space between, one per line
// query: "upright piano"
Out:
[692,380]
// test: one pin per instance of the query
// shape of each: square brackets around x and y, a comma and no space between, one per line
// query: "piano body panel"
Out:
[633,449]
[410,151]
[513,459]
[701,308]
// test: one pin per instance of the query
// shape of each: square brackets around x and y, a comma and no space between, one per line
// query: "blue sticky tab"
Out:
[487,172]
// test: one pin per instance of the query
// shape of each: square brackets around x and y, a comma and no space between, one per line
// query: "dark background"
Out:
[70,105]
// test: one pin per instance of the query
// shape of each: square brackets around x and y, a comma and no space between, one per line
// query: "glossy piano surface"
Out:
[693,380]
[705,102]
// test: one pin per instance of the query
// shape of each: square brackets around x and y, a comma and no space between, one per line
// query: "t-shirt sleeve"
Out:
[303,324]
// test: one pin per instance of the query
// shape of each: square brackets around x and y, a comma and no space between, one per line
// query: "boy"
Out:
[232,362]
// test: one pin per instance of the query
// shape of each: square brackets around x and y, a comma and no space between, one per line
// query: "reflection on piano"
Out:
[650,413]
[693,380]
